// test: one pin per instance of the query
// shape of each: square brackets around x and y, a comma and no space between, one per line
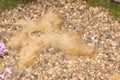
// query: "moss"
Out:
[8,4]
[114,10]
[98,2]
[113,7]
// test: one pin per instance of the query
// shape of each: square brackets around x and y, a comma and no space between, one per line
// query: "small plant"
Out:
[7,70]
[2,46]
[113,7]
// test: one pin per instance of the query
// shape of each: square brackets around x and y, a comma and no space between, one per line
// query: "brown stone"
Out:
[115,77]
[117,1]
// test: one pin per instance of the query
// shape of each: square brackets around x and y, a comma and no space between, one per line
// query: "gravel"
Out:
[101,32]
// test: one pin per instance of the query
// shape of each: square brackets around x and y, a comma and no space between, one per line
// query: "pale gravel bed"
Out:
[101,32]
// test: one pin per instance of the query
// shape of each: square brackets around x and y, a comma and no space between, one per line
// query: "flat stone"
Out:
[117,1]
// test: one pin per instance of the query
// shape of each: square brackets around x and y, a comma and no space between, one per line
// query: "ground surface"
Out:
[101,33]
